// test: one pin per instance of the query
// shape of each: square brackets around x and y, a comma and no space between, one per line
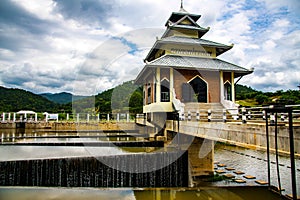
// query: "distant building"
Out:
[182,68]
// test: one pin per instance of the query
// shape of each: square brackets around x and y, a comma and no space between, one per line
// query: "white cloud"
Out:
[58,50]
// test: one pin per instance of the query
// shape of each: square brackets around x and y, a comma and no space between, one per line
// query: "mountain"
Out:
[123,98]
[62,98]
[13,100]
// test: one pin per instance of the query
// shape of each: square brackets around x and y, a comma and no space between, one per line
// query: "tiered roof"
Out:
[179,25]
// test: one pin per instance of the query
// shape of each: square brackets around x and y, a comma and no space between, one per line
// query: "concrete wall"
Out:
[244,135]
[78,126]
[200,152]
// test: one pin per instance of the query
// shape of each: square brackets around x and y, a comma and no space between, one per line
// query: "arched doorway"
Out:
[227,91]
[195,90]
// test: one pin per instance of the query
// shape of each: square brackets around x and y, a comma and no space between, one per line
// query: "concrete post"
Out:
[46,117]
[171,83]
[9,116]
[198,115]
[224,115]
[78,117]
[14,117]
[209,115]
[221,86]
[88,117]
[118,117]
[127,117]
[282,116]
[108,117]
[272,119]
[232,88]
[182,116]
[68,116]
[3,117]
[158,86]
[189,116]
[244,117]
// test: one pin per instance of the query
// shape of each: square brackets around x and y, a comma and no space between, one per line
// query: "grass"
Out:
[248,102]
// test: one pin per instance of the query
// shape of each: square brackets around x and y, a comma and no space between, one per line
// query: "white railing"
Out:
[241,114]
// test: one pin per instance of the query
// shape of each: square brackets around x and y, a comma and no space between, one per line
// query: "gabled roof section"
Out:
[188,18]
[176,16]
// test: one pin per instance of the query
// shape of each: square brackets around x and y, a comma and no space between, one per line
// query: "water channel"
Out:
[250,161]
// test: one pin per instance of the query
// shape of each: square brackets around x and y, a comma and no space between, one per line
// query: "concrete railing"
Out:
[7,117]
[241,114]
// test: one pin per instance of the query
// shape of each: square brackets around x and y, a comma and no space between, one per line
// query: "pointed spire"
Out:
[181,7]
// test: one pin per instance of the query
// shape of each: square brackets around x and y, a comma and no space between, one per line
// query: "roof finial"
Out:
[181,7]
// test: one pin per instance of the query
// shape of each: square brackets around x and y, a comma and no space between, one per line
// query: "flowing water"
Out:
[251,162]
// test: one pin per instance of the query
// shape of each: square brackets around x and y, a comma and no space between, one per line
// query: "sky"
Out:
[88,46]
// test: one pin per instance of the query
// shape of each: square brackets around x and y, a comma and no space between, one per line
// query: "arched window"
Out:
[165,90]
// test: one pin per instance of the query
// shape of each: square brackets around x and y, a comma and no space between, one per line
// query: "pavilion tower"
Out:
[182,67]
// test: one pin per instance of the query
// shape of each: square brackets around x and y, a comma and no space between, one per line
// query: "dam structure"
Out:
[189,118]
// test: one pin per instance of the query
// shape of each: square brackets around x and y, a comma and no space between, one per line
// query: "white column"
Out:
[88,117]
[127,117]
[14,117]
[68,116]
[46,117]
[3,117]
[158,91]
[25,116]
[171,83]
[108,117]
[221,86]
[98,117]
[77,117]
[118,117]
[9,116]
[232,87]
[35,117]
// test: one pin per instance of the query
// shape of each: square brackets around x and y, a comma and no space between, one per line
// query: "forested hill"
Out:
[122,98]
[62,98]
[14,100]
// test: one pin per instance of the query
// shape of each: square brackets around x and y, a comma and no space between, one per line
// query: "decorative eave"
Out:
[201,31]
[220,48]
[192,63]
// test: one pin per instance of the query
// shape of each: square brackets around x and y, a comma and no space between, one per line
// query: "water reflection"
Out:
[233,193]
